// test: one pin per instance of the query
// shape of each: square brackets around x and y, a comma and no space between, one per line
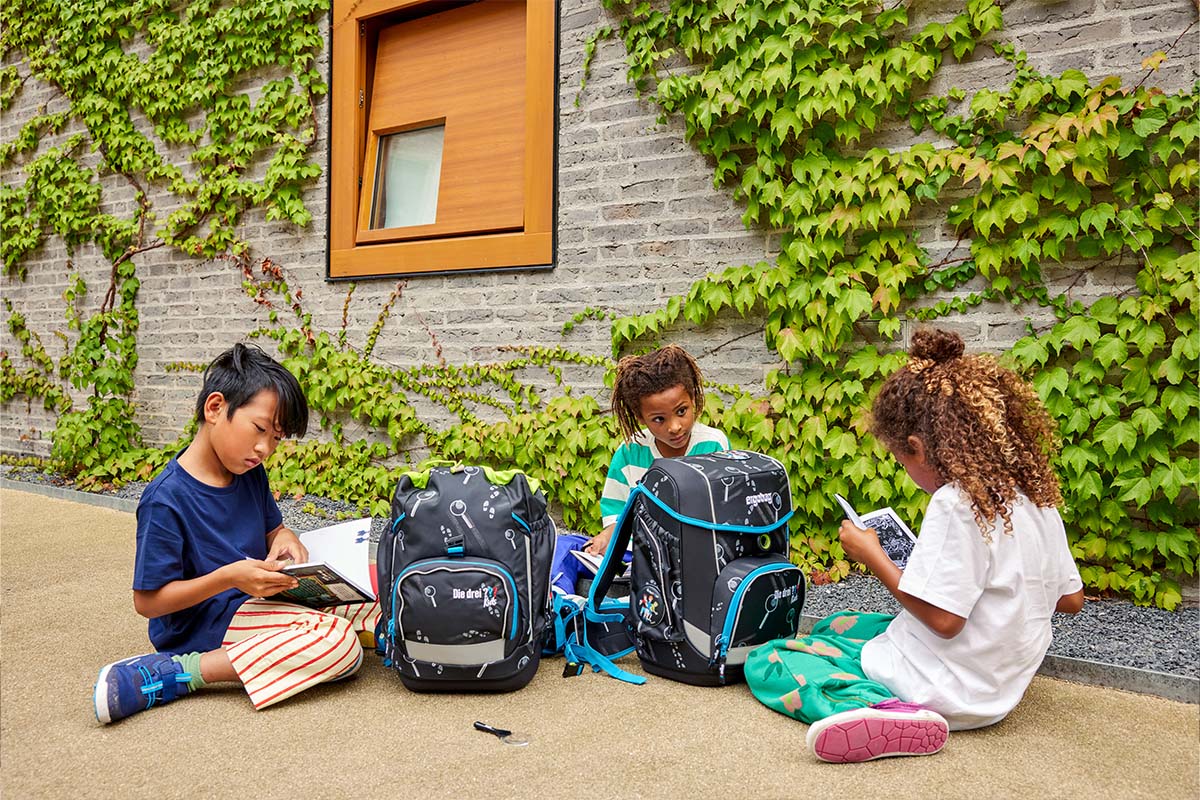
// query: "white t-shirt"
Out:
[1006,590]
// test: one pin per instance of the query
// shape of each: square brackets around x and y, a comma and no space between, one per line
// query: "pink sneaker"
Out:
[890,728]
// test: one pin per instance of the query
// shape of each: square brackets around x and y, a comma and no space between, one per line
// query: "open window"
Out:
[442,136]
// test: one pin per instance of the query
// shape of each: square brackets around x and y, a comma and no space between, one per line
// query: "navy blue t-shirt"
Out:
[186,529]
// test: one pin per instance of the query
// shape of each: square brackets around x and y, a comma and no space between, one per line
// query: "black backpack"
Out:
[464,580]
[710,578]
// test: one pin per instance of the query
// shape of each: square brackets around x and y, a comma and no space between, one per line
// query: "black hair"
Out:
[243,371]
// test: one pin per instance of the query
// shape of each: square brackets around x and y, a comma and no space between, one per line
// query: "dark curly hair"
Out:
[641,376]
[983,426]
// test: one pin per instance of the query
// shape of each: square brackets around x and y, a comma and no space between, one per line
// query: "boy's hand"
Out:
[260,578]
[861,545]
[285,545]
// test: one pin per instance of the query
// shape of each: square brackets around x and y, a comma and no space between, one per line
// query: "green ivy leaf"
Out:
[1137,492]
[1110,349]
[1114,435]
[1149,122]
[1030,351]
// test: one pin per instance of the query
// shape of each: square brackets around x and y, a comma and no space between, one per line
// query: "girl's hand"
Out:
[286,545]
[259,578]
[861,545]
[599,542]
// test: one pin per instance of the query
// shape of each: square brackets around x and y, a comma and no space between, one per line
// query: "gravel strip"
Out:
[1108,631]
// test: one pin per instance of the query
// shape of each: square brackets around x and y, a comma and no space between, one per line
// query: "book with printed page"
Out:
[339,569]
[895,537]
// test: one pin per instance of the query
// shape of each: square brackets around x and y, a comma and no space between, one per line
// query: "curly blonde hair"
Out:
[983,426]
[639,377]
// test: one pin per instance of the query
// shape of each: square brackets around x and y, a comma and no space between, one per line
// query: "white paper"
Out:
[589,560]
[345,547]
[849,511]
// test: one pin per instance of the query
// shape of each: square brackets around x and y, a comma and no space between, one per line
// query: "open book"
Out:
[591,562]
[338,570]
[894,535]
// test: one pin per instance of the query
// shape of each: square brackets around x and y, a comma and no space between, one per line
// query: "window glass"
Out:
[407,177]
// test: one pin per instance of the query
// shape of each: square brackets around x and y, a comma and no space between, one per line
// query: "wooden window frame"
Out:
[352,61]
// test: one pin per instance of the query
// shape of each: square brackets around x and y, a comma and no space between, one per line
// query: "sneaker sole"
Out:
[869,737]
[100,696]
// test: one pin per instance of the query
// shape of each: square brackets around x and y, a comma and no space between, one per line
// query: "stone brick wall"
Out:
[638,222]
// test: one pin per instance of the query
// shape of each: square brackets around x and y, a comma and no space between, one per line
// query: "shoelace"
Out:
[150,687]
[153,688]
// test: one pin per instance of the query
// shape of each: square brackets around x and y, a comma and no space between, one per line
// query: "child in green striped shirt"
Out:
[656,398]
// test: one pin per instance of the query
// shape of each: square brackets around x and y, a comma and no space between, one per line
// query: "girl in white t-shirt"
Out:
[989,568]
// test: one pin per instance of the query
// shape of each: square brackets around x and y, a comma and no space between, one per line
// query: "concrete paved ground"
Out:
[66,610]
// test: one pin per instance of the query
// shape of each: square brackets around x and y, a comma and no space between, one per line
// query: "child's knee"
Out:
[343,651]
[351,669]
[342,630]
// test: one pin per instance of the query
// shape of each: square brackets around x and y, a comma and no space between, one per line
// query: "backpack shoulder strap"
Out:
[582,651]
[614,560]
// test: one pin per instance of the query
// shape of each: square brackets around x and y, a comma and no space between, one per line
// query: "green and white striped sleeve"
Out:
[628,465]
[633,458]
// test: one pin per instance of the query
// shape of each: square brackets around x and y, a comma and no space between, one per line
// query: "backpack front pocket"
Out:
[455,611]
[656,590]
[755,600]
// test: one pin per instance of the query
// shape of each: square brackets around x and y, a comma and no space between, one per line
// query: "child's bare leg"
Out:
[215,667]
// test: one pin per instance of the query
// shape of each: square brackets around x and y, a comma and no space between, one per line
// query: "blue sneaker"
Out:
[135,684]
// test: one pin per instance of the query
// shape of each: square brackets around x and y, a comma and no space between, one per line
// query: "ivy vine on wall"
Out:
[1046,180]
[785,98]
[135,81]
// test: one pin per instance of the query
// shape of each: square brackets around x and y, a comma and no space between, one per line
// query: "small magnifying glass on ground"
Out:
[508,737]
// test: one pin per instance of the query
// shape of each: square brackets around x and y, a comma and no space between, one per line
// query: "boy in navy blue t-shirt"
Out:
[210,544]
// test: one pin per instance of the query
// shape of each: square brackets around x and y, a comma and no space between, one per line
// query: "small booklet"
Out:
[338,570]
[894,535]
[592,562]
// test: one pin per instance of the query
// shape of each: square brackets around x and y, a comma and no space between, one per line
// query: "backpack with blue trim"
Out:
[464,580]
[711,578]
